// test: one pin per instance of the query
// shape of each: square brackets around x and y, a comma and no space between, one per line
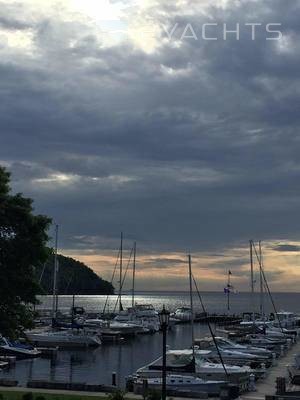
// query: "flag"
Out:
[229,289]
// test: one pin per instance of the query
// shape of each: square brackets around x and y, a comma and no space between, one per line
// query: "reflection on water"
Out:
[214,301]
[95,366]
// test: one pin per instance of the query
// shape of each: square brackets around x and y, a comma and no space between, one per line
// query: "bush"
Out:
[153,394]
[117,395]
[27,396]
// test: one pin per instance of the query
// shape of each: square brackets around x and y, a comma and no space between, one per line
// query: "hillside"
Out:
[74,277]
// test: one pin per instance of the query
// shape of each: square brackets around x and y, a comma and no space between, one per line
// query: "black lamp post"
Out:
[164,316]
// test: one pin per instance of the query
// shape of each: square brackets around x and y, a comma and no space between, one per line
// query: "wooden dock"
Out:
[268,385]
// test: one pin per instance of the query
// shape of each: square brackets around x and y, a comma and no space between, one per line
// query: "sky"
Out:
[151,118]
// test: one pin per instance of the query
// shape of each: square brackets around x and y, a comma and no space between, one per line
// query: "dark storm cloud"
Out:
[164,263]
[286,247]
[233,265]
[188,147]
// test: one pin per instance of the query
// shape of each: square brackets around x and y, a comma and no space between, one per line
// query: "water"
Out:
[95,366]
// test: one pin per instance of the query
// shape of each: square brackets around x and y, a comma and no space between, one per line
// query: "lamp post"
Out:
[164,316]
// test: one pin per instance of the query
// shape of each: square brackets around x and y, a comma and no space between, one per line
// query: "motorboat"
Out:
[260,340]
[124,328]
[287,320]
[232,356]
[143,315]
[181,383]
[17,349]
[143,310]
[64,338]
[182,362]
[228,344]
[127,328]
[280,319]
[183,314]
[270,329]
[237,332]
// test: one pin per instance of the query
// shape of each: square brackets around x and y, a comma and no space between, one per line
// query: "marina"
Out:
[97,366]
[149,233]
[195,352]
[225,358]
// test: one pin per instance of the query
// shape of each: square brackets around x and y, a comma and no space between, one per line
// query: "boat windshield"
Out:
[226,341]
[183,309]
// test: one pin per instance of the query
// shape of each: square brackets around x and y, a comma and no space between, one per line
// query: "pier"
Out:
[267,387]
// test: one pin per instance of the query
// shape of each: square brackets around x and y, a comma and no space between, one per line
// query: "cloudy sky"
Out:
[122,115]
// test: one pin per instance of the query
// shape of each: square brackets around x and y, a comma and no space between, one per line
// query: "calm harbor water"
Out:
[95,366]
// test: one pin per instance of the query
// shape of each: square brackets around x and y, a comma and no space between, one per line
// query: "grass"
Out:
[18,395]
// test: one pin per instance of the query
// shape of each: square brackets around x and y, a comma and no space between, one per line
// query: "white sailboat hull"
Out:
[63,339]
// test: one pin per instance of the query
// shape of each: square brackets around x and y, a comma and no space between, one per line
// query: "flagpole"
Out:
[55,298]
[252,280]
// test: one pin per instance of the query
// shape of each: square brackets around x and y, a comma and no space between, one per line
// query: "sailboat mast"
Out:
[133,273]
[228,291]
[252,279]
[54,300]
[73,308]
[262,311]
[121,272]
[191,304]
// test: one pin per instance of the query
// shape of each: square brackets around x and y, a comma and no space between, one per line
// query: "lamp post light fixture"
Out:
[164,316]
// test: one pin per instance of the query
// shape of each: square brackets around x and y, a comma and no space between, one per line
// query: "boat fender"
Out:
[263,367]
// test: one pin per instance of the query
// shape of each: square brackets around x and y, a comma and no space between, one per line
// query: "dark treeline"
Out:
[74,277]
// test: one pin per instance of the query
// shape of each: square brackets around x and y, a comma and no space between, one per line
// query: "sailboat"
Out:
[142,315]
[66,337]
[270,329]
[121,325]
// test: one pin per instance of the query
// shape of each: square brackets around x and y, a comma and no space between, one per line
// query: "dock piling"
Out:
[114,379]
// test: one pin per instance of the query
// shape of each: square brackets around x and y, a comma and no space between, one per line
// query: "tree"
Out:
[23,245]
[74,277]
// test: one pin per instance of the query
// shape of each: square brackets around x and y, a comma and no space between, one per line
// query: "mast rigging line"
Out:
[111,281]
[267,286]
[209,327]
[42,274]
[124,277]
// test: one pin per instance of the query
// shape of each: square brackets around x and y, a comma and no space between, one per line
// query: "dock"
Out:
[267,387]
